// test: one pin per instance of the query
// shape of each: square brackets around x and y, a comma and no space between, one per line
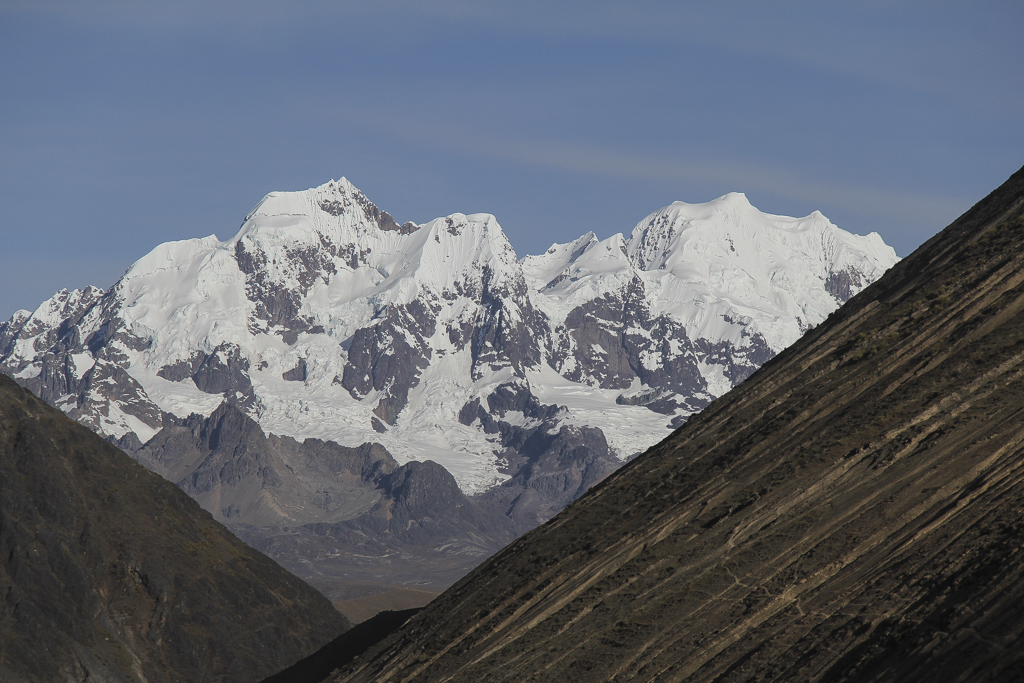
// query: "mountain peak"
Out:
[734,199]
[730,201]
[326,319]
[342,184]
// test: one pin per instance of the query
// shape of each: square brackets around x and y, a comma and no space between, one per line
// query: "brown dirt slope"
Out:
[852,512]
[110,573]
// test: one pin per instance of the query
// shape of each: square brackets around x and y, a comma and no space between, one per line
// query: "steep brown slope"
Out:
[110,573]
[853,512]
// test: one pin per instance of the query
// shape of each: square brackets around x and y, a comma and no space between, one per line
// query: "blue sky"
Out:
[124,124]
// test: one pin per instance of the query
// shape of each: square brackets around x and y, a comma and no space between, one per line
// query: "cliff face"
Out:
[852,512]
[110,573]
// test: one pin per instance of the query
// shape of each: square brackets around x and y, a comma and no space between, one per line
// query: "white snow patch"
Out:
[628,429]
[83,362]
[714,375]
[29,372]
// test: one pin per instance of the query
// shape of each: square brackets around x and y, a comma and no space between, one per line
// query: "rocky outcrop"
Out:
[389,357]
[422,507]
[297,374]
[110,573]
[851,512]
[617,342]
[550,464]
[553,470]
[235,471]
[225,372]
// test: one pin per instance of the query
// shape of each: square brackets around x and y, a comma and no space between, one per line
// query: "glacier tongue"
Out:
[323,317]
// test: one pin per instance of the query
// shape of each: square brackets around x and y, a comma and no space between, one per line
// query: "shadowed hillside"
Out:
[109,573]
[852,512]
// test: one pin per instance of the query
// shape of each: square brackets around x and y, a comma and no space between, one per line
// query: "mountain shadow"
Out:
[109,573]
[853,512]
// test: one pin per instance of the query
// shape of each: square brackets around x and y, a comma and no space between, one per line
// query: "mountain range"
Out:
[259,372]
[851,512]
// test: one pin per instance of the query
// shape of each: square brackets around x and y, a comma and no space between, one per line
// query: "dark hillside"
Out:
[852,512]
[110,573]
[343,649]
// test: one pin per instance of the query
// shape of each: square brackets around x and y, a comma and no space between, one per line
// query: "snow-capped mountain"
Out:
[695,299]
[322,317]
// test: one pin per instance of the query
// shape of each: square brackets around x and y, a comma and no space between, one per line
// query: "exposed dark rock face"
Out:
[382,219]
[67,307]
[87,395]
[512,396]
[225,372]
[551,464]
[500,338]
[595,336]
[330,513]
[110,573]
[381,358]
[240,475]
[296,374]
[277,306]
[106,383]
[842,284]
[739,362]
[614,340]
[852,512]
[183,369]
[552,471]
[422,506]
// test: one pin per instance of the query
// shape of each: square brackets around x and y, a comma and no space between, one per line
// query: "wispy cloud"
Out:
[940,47]
[907,44]
[737,175]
